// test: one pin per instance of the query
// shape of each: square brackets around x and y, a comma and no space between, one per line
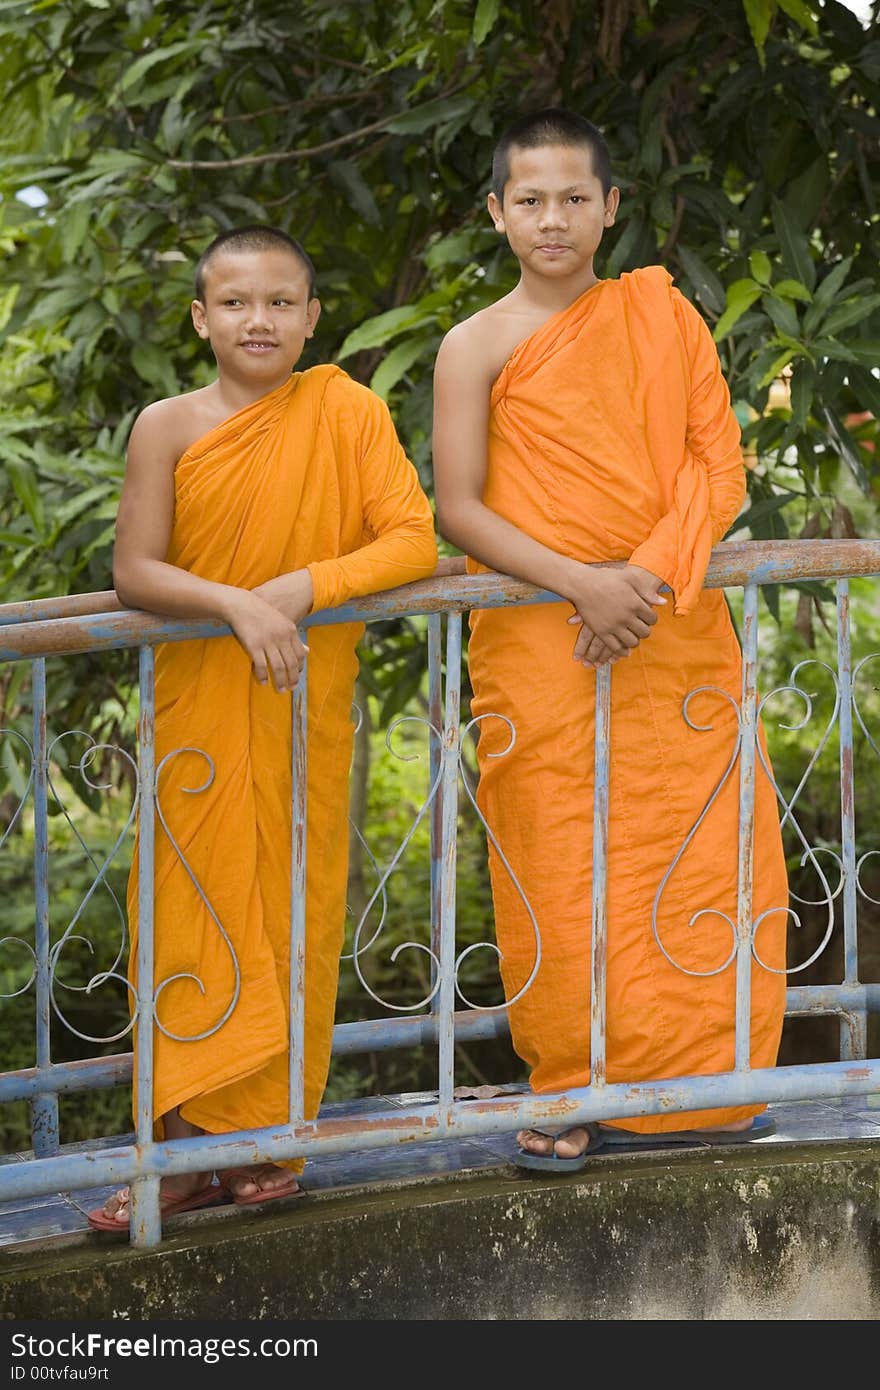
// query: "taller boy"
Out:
[578,421]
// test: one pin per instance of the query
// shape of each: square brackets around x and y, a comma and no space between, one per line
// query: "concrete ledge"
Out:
[777,1232]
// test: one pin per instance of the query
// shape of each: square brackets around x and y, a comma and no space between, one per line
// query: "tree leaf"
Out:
[792,289]
[741,295]
[793,244]
[378,331]
[395,365]
[848,449]
[759,264]
[433,113]
[799,12]
[707,286]
[803,384]
[845,315]
[759,14]
[484,19]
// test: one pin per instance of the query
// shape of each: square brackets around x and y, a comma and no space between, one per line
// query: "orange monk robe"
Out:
[310,475]
[611,438]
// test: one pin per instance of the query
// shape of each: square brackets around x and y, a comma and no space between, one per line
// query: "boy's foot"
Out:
[187,1192]
[563,1152]
[740,1131]
[259,1182]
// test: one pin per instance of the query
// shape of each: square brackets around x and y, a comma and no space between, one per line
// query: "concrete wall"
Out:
[791,1234]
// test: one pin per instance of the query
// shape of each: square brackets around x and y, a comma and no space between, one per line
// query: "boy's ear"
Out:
[496,212]
[199,318]
[313,313]
[612,203]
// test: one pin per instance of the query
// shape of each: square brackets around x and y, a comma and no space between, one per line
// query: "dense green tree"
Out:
[744,134]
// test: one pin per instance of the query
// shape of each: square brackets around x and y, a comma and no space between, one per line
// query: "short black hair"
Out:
[551,126]
[253,238]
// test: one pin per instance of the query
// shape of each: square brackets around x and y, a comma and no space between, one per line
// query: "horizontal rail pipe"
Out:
[412,1125]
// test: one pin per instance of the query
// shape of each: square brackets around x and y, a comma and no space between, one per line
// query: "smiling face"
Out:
[256,314]
[554,211]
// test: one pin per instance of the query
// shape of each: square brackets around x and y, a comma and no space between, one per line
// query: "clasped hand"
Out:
[265,620]
[615,611]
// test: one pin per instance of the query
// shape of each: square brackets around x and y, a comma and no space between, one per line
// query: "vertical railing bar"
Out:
[448,851]
[847,786]
[435,716]
[146,1225]
[746,834]
[298,786]
[853,1039]
[599,914]
[44,1108]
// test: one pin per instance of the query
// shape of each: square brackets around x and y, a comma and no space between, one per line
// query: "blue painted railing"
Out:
[33,631]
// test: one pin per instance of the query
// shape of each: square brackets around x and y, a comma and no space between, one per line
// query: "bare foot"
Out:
[735,1128]
[250,1183]
[173,1193]
[571,1143]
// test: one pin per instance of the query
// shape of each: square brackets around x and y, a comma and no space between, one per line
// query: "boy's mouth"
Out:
[258,345]
[553,248]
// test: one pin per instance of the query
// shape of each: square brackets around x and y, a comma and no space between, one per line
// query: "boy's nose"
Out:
[259,316]
[552,216]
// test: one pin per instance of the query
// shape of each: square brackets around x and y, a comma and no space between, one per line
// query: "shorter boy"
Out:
[256,500]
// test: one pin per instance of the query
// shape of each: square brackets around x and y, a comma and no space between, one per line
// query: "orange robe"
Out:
[611,437]
[310,475]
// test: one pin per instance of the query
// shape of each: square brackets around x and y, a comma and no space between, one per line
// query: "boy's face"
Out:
[554,211]
[257,314]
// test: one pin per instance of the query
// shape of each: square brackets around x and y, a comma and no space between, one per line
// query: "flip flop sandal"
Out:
[290,1189]
[552,1163]
[208,1196]
[761,1128]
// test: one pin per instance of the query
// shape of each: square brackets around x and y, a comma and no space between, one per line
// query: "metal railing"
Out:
[90,623]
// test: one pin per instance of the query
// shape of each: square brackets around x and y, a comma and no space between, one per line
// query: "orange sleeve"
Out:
[398,525]
[711,485]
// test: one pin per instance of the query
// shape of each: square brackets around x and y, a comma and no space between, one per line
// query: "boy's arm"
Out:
[616,604]
[396,513]
[142,577]
[711,486]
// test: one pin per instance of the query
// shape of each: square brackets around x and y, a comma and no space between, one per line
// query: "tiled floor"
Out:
[41,1223]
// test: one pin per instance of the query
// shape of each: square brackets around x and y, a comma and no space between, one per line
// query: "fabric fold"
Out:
[310,474]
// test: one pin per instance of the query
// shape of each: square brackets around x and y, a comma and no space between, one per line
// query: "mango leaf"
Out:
[800,13]
[396,364]
[793,244]
[741,295]
[759,264]
[759,14]
[757,513]
[782,315]
[484,19]
[848,314]
[143,64]
[348,177]
[792,289]
[848,449]
[378,331]
[707,286]
[433,113]
[803,384]
[777,365]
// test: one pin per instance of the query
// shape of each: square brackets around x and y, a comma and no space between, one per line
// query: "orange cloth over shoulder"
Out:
[310,475]
[611,437]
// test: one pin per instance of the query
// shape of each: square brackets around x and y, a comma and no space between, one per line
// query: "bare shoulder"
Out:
[165,429]
[477,348]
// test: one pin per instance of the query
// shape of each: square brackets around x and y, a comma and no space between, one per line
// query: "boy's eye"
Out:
[231,303]
[284,302]
[529,202]
[577,198]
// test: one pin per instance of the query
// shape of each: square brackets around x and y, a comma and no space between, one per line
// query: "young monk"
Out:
[256,500]
[580,421]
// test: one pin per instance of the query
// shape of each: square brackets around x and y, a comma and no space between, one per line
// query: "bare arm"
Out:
[615,604]
[143,578]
